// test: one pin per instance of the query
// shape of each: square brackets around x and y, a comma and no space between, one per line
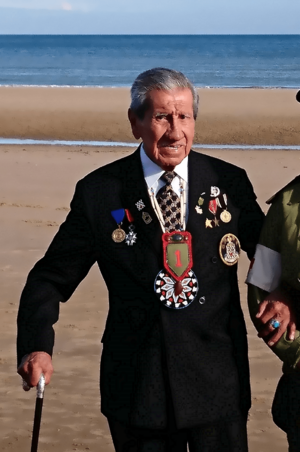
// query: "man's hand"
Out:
[32,366]
[276,306]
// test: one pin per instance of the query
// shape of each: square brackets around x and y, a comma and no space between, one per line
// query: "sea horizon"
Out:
[210,61]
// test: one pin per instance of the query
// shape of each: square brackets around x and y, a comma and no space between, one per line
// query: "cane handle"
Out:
[40,387]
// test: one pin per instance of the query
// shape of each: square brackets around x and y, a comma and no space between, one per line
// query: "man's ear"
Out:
[135,124]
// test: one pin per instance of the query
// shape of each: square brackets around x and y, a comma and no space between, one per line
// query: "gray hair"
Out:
[161,79]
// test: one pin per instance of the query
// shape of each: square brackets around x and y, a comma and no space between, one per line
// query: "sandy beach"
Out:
[226,116]
[36,186]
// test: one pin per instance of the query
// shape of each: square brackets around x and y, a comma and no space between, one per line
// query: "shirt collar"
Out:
[152,172]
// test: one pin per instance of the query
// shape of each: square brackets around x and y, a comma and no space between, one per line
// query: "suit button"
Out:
[214,260]
[202,300]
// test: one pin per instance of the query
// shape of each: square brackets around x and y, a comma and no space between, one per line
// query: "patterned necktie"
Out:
[169,203]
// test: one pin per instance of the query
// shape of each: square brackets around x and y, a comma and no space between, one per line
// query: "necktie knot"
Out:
[168,177]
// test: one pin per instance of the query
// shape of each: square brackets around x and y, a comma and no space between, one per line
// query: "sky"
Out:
[149,17]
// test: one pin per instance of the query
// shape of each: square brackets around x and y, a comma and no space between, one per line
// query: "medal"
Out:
[213,207]
[131,236]
[176,285]
[225,216]
[118,235]
[230,249]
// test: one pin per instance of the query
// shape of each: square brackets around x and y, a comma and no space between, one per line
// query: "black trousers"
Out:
[286,409]
[222,437]
[230,436]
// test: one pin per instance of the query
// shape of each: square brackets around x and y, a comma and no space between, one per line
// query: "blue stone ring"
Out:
[275,323]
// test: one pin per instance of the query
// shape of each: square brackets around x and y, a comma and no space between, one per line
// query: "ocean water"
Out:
[209,61]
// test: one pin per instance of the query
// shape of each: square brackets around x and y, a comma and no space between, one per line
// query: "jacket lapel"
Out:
[135,190]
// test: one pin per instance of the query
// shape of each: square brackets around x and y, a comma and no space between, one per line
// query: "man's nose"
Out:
[174,132]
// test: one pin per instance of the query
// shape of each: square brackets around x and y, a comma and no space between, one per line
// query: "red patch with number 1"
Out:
[178,258]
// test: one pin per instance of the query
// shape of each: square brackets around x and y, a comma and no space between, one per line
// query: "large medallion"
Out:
[230,249]
[165,288]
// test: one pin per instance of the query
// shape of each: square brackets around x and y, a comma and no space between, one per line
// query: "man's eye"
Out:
[160,117]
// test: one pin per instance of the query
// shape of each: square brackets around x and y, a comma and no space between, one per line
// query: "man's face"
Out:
[168,127]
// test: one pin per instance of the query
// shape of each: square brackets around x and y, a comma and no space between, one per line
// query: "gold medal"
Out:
[225,216]
[230,249]
[118,235]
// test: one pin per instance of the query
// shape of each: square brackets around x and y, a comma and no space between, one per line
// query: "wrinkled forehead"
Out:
[177,98]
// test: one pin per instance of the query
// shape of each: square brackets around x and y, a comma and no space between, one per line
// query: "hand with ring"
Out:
[275,323]
[276,315]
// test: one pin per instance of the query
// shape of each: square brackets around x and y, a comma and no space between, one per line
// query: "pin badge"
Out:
[140,205]
[208,223]
[214,192]
[146,217]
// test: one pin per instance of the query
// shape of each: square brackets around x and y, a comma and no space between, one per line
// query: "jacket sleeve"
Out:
[54,278]
[249,226]
[264,277]
[251,216]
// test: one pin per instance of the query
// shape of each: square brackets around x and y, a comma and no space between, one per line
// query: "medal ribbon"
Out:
[129,216]
[118,215]
[212,206]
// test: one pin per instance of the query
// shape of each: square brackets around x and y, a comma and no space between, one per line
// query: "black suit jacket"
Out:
[199,353]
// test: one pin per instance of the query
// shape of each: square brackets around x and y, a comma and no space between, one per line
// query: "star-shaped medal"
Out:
[208,223]
[130,238]
[216,221]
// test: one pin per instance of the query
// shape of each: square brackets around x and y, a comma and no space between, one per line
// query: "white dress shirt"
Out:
[153,172]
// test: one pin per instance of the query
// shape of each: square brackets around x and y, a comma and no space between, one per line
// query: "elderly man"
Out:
[165,226]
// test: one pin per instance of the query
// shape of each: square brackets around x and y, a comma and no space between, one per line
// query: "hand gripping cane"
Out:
[38,413]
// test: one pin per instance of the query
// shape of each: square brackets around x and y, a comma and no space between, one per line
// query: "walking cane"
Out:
[38,413]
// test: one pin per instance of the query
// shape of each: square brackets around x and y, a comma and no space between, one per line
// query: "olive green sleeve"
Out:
[286,350]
